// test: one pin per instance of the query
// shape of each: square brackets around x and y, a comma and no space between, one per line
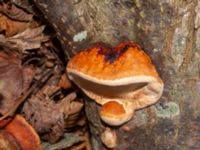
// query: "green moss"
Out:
[169,110]
[68,140]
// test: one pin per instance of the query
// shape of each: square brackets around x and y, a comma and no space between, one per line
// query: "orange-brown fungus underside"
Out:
[24,133]
[112,108]
[126,59]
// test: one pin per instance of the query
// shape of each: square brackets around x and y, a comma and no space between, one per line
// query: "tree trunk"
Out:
[169,31]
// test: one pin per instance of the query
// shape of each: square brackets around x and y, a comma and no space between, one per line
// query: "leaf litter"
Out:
[33,82]
[26,40]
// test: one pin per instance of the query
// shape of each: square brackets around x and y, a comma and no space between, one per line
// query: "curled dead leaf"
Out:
[48,116]
[71,109]
[10,27]
[15,12]
[26,40]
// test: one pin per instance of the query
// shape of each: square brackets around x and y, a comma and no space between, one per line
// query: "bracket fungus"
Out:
[19,134]
[121,79]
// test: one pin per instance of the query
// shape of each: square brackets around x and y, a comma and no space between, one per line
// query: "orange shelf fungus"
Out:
[115,113]
[124,75]
[18,131]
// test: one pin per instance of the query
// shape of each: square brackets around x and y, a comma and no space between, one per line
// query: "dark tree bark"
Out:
[169,31]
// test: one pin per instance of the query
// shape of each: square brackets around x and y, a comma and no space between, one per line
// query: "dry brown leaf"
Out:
[71,110]
[43,116]
[26,5]
[47,116]
[26,40]
[64,104]
[15,13]
[10,27]
[75,119]
[14,79]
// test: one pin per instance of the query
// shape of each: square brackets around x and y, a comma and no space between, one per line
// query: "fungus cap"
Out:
[125,73]
[115,113]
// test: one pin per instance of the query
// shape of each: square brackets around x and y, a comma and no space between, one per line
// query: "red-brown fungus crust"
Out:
[126,59]
[24,133]
[4,122]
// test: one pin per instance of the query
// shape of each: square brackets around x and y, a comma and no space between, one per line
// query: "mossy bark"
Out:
[169,31]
